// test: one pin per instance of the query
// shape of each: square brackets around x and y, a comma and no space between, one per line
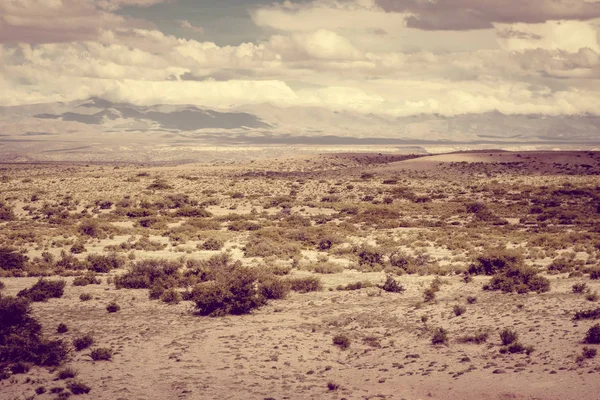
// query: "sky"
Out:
[384,57]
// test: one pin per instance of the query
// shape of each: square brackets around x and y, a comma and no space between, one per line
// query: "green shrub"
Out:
[305,284]
[593,335]
[508,336]
[101,354]
[21,336]
[440,336]
[342,341]
[83,342]
[43,290]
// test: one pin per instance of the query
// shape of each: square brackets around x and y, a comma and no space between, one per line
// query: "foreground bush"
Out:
[43,290]
[236,293]
[21,339]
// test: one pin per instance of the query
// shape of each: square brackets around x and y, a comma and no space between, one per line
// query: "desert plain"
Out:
[469,275]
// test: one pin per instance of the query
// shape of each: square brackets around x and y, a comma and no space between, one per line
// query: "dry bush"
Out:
[355,285]
[391,285]
[142,274]
[104,263]
[89,278]
[520,279]
[495,260]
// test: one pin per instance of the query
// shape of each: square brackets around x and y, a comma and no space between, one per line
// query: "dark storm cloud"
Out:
[481,14]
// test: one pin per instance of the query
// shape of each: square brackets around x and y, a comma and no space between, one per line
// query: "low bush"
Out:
[305,284]
[593,335]
[273,287]
[587,314]
[171,296]
[342,341]
[88,279]
[459,310]
[579,288]
[101,354]
[495,260]
[66,373]
[508,336]
[440,336]
[145,273]
[391,285]
[356,285]
[21,338]
[212,244]
[113,307]
[104,263]
[477,338]
[520,279]
[235,293]
[85,296]
[43,290]
[11,259]
[588,352]
[83,342]
[77,387]
[62,328]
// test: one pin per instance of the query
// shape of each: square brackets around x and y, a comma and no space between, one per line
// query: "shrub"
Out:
[508,336]
[579,287]
[595,273]
[593,335]
[171,296]
[342,341]
[272,287]
[588,352]
[494,261]
[66,373]
[356,285]
[77,387]
[477,338]
[85,296]
[83,342]
[21,338]
[213,244]
[113,307]
[391,285]
[587,314]
[2,285]
[370,255]
[143,274]
[459,310]
[305,284]
[101,354]
[11,260]
[332,386]
[77,248]
[62,328]
[520,279]
[20,367]
[43,290]
[440,336]
[87,279]
[104,263]
[235,293]
[471,299]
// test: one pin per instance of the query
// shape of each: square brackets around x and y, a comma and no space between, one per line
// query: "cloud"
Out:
[50,21]
[482,14]
[185,24]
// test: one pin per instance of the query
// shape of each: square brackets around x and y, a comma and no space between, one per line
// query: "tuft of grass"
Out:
[440,336]
[85,296]
[77,387]
[459,310]
[101,354]
[83,342]
[508,336]
[476,338]
[62,328]
[66,373]
[332,386]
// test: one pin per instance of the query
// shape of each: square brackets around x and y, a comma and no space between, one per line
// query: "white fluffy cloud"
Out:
[341,55]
